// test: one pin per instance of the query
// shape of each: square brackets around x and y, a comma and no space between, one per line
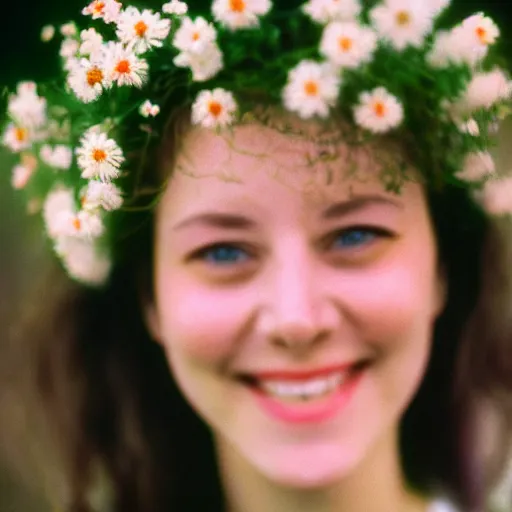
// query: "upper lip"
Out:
[300,375]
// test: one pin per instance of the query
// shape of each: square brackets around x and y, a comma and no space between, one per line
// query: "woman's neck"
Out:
[376,485]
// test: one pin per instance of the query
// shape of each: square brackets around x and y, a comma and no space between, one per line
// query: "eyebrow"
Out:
[236,221]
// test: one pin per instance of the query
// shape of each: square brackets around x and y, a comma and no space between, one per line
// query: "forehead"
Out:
[305,162]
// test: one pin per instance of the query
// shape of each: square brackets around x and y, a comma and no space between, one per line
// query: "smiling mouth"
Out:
[301,390]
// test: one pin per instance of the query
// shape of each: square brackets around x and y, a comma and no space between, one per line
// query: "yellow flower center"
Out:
[77,224]
[140,28]
[237,5]
[195,36]
[123,66]
[346,44]
[403,18]
[215,108]
[379,109]
[94,76]
[99,155]
[311,88]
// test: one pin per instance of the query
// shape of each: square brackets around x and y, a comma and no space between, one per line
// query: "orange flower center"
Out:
[403,18]
[380,109]
[482,35]
[94,76]
[311,88]
[215,108]
[123,66]
[195,36]
[77,224]
[346,44]
[20,134]
[237,5]
[99,155]
[140,28]
[98,7]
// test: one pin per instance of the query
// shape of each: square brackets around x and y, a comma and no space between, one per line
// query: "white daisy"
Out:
[68,29]
[101,195]
[58,208]
[312,89]
[147,109]
[16,138]
[69,48]
[496,196]
[348,44]
[124,67]
[236,14]
[485,90]
[108,10]
[26,107]
[204,65]
[142,30]
[63,220]
[91,43]
[482,28]
[477,166]
[59,157]
[324,11]
[175,7]
[378,111]
[96,9]
[83,260]
[213,109]
[474,37]
[194,36]
[402,22]
[47,33]
[21,175]
[99,157]
[87,79]
[85,224]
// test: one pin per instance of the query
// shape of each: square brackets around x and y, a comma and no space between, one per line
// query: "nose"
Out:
[297,314]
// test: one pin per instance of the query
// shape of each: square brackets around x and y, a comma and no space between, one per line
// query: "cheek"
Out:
[397,297]
[197,321]
[393,310]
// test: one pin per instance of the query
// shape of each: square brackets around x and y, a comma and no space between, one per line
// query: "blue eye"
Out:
[223,254]
[356,237]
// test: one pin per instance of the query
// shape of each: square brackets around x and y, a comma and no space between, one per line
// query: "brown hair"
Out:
[109,394]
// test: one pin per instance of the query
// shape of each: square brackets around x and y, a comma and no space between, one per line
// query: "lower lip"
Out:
[316,411]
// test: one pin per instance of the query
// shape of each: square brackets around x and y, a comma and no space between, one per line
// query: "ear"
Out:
[152,320]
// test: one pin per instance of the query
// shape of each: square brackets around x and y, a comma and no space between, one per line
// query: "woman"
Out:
[308,234]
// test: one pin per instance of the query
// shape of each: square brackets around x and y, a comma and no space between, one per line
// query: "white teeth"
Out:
[310,388]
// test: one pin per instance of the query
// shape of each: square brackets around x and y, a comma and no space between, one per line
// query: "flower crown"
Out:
[386,67]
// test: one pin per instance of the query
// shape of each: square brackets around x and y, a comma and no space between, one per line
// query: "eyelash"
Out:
[375,233]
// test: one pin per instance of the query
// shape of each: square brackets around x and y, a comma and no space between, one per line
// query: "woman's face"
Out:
[296,314]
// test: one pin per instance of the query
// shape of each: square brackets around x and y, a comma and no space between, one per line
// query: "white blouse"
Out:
[442,505]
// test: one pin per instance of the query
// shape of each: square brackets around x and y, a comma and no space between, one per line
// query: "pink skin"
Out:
[333,304]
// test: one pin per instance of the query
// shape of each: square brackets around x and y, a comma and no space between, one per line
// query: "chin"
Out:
[308,469]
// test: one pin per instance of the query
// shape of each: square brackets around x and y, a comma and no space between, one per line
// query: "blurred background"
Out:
[23,254]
